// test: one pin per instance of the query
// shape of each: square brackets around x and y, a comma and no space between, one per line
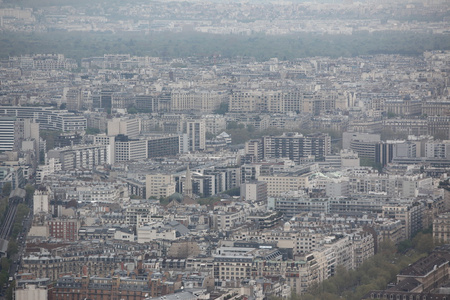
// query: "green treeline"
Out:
[374,274]
[81,44]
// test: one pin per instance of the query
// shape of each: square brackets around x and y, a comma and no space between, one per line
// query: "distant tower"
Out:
[187,191]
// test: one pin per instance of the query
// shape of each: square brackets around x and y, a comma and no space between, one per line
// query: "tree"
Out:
[29,189]
[92,130]
[232,125]
[423,242]
[223,108]
[6,189]
[12,248]
[4,263]
[209,135]
[132,110]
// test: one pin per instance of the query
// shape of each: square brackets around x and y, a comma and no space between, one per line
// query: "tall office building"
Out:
[73,99]
[196,135]
[7,137]
[106,100]
[109,142]
[163,145]
[19,134]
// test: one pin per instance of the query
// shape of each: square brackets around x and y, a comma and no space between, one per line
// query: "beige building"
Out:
[31,291]
[159,185]
[128,127]
[41,201]
[278,184]
[146,234]
[441,228]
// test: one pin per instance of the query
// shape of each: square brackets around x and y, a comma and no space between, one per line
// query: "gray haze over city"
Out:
[224,150]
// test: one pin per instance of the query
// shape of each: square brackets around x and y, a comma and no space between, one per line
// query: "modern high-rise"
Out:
[73,99]
[163,145]
[15,132]
[196,134]
[7,137]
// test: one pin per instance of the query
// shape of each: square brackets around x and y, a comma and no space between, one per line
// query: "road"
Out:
[5,232]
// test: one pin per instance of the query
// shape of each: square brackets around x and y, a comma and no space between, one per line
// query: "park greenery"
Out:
[78,45]
[49,136]
[375,273]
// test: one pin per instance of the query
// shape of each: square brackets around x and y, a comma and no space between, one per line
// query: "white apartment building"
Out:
[109,142]
[196,134]
[126,149]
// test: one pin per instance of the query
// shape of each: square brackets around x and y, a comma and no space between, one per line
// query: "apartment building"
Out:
[80,157]
[410,214]
[126,149]
[159,185]
[163,145]
[254,191]
[196,135]
[441,227]
[296,146]
[124,126]
[105,288]
[278,184]
[64,229]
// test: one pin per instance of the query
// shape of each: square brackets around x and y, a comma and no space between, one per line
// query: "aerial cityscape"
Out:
[224,150]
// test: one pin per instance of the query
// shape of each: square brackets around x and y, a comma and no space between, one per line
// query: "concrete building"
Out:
[15,132]
[196,135]
[296,146]
[47,118]
[125,126]
[254,191]
[8,140]
[441,228]
[214,124]
[146,234]
[163,145]
[159,185]
[438,149]
[80,157]
[347,137]
[126,149]
[41,201]
[410,215]
[109,142]
[253,151]
[284,182]
[32,289]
